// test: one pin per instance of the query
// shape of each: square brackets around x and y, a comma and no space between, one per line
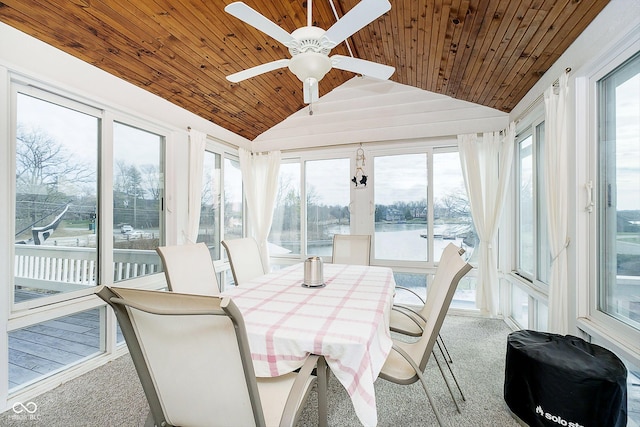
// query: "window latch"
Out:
[589,187]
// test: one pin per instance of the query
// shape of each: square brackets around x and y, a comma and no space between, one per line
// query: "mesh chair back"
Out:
[192,356]
[450,270]
[354,249]
[245,260]
[188,269]
[442,278]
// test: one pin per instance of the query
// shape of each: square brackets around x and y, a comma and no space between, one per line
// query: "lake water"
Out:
[398,242]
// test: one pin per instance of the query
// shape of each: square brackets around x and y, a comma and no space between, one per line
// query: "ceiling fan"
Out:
[309,46]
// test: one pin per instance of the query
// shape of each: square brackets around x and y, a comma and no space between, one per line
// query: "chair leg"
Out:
[446,350]
[418,372]
[431,402]
[444,377]
[448,362]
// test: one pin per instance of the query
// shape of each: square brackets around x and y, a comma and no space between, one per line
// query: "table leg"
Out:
[323,378]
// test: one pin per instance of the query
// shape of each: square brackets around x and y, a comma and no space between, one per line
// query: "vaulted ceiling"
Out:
[489,52]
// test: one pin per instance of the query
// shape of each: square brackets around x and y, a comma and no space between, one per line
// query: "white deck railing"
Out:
[63,269]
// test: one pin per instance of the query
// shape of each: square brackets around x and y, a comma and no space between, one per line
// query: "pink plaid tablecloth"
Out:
[347,322]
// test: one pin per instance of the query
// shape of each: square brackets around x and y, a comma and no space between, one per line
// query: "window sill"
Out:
[535,291]
[626,348]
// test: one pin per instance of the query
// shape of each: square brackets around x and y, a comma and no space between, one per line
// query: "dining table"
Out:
[345,320]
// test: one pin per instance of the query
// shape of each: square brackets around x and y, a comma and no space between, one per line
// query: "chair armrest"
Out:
[422,379]
[167,312]
[410,313]
[413,292]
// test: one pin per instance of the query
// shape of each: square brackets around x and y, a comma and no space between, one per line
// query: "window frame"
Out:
[24,314]
[428,162]
[211,148]
[107,177]
[529,127]
[363,200]
[29,88]
[622,338]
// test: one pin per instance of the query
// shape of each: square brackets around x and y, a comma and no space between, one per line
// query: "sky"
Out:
[628,144]
[398,178]
[78,132]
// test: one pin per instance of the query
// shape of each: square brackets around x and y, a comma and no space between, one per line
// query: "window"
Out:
[520,307]
[526,208]
[401,207]
[533,256]
[137,192]
[44,348]
[543,253]
[327,203]
[285,234]
[59,213]
[233,207]
[209,230]
[618,223]
[451,208]
[395,209]
[56,195]
[405,229]
[416,282]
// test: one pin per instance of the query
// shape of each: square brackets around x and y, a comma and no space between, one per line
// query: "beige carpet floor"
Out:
[112,396]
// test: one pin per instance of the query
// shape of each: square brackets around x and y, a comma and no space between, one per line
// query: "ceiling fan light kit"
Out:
[310,64]
[309,46]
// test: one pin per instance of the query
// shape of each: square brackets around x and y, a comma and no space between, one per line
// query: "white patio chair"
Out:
[192,356]
[409,321]
[408,360]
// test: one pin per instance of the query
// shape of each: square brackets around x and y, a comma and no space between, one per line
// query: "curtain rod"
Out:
[540,97]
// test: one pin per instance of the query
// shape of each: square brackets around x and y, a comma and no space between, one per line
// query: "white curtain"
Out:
[486,166]
[556,181]
[260,180]
[197,143]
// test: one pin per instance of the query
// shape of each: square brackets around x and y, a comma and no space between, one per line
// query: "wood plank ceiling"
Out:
[490,52]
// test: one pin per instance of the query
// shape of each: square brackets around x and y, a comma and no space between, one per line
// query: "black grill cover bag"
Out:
[555,380]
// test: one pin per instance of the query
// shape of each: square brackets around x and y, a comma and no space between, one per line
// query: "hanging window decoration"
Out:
[359,178]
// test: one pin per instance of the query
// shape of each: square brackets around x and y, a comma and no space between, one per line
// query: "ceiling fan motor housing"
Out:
[309,39]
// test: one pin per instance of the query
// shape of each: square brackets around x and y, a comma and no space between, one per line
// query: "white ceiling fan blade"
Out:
[258,21]
[310,90]
[362,14]
[361,66]
[258,69]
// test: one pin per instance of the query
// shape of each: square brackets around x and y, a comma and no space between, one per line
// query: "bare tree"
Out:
[42,163]
[48,176]
[151,180]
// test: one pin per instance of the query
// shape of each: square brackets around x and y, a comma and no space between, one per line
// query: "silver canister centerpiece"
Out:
[313,272]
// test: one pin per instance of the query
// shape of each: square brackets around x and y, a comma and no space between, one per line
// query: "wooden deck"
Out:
[47,347]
